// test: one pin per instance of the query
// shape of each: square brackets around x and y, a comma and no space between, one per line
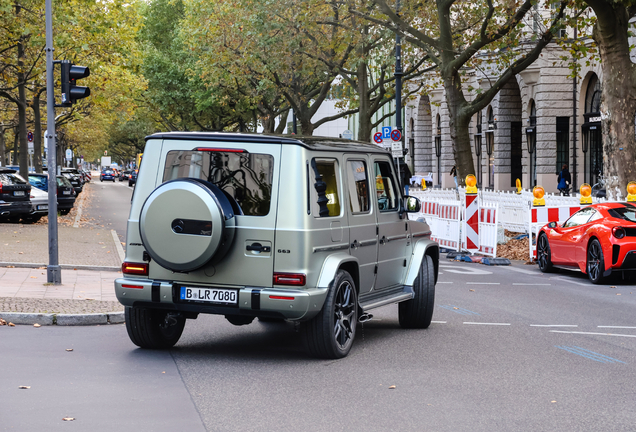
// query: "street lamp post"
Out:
[531,138]
[438,150]
[490,146]
[478,148]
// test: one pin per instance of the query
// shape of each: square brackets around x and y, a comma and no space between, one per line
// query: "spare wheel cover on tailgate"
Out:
[184,224]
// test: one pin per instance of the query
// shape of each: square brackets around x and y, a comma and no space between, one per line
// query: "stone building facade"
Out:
[541,104]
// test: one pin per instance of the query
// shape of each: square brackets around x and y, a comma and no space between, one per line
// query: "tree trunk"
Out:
[618,103]
[22,118]
[2,148]
[459,119]
[364,116]
[37,133]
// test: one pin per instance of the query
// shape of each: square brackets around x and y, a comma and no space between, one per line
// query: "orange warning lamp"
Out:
[423,184]
[471,184]
[586,194]
[631,192]
[519,190]
[538,192]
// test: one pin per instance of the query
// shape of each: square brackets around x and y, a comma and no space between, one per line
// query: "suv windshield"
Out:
[625,213]
[246,177]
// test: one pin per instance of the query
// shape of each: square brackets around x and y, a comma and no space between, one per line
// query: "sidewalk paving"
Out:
[90,258]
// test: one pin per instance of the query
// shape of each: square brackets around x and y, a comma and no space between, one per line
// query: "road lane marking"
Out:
[483,283]
[528,272]
[560,278]
[531,284]
[593,334]
[444,282]
[616,327]
[438,322]
[481,323]
[553,325]
[589,354]
[458,310]
[464,270]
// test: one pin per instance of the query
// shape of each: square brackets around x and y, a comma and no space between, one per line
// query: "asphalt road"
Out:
[510,349]
[110,205]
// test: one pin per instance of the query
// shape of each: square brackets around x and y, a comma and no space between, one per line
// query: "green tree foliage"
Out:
[460,36]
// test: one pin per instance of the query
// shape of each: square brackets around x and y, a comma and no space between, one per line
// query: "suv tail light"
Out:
[140,269]
[294,279]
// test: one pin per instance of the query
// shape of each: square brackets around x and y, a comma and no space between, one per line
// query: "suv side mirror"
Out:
[412,204]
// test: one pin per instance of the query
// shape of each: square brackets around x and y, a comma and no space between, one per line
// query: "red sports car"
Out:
[597,240]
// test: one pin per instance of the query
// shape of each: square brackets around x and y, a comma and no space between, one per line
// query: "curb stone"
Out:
[63,319]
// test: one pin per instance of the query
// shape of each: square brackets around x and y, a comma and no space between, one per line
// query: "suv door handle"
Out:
[257,247]
[355,244]
[384,240]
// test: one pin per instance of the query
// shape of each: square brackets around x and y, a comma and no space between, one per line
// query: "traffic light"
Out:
[70,74]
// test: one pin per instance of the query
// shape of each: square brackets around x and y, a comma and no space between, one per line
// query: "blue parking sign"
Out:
[386,132]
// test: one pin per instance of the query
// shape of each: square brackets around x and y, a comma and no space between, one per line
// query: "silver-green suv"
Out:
[305,229]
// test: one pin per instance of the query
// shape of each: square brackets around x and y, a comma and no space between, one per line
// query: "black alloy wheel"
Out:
[152,328]
[595,262]
[544,256]
[330,334]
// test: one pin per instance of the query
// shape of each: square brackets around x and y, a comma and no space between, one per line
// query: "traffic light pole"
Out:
[53,270]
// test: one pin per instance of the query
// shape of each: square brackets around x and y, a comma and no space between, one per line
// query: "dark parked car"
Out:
[107,174]
[14,196]
[65,191]
[75,178]
[132,179]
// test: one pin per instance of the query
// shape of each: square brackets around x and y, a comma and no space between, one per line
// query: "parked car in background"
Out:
[125,175]
[15,192]
[597,240]
[74,177]
[107,174]
[65,191]
[39,205]
[132,179]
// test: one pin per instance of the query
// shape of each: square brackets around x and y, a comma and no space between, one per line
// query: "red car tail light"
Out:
[140,269]
[294,279]
[618,232]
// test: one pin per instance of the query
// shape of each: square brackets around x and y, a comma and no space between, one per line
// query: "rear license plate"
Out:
[209,295]
[66,192]
[43,207]
[18,193]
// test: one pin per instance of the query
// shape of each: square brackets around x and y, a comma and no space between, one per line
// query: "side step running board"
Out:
[384,297]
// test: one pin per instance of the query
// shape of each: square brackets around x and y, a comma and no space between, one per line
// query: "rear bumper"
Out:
[252,301]
[14,208]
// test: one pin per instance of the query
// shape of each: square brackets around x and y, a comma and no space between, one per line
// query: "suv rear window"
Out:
[246,177]
[8,179]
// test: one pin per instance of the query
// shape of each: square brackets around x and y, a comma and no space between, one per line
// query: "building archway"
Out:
[592,133]
[423,152]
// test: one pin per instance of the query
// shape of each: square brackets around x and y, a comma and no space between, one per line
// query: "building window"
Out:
[562,142]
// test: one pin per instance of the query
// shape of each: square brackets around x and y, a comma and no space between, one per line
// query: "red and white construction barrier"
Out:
[540,216]
[447,232]
[471,227]
[487,217]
